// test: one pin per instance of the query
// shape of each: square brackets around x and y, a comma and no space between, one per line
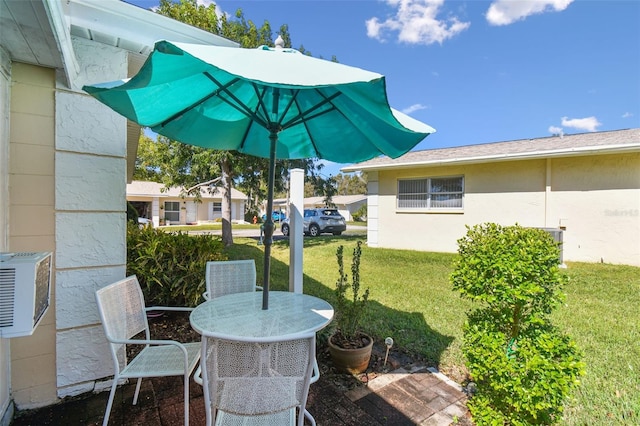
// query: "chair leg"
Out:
[135,395]
[309,417]
[316,372]
[112,394]
[197,376]
[186,400]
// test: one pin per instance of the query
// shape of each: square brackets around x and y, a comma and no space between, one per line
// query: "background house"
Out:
[347,205]
[151,202]
[64,163]
[587,185]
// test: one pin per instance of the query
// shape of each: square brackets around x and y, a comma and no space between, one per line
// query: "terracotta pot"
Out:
[352,361]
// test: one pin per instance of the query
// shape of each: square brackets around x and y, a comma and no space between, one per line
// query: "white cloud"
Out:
[590,124]
[627,115]
[416,22]
[556,130]
[505,12]
[415,107]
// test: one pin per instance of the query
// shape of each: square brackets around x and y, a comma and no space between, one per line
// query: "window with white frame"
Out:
[172,211]
[217,208]
[431,193]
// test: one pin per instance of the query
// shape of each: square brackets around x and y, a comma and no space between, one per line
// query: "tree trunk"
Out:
[227,182]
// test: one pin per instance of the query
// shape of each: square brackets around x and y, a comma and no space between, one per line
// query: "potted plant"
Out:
[349,347]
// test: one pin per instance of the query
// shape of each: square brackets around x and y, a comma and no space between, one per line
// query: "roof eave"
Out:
[137,24]
[591,150]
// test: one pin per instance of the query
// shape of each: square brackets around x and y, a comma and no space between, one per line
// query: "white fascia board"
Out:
[137,24]
[60,28]
[589,150]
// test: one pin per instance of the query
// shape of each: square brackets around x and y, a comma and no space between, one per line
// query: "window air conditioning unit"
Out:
[25,290]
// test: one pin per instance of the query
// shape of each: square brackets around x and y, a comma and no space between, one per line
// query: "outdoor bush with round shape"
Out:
[523,366]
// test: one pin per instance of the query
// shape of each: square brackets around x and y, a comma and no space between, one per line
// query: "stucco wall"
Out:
[501,192]
[595,197]
[31,225]
[90,217]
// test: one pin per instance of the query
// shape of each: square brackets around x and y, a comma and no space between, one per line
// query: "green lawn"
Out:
[412,301]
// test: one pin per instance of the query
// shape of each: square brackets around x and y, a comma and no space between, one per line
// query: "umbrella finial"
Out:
[279,42]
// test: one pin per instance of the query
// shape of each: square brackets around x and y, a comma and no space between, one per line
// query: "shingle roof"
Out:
[154,189]
[552,146]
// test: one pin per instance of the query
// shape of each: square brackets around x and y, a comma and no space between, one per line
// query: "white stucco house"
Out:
[65,161]
[585,185]
[170,207]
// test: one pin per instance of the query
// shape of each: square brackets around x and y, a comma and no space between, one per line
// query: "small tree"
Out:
[350,308]
[523,366]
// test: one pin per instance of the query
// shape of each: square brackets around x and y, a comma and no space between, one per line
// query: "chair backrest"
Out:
[230,276]
[122,311]
[257,378]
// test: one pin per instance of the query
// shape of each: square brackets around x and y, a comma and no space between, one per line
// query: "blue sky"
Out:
[479,71]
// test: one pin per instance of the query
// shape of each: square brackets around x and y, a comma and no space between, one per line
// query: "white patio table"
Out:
[240,317]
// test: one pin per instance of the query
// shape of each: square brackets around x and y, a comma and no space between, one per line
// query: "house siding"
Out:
[594,198]
[32,224]
[5,95]
[66,194]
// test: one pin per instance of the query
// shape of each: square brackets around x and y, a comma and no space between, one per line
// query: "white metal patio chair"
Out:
[123,314]
[227,277]
[236,276]
[230,276]
[257,383]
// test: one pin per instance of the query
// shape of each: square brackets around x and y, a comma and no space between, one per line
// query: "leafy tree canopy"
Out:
[176,164]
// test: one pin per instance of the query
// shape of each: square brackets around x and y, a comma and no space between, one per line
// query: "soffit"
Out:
[26,33]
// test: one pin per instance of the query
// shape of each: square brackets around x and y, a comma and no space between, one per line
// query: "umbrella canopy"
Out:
[271,103]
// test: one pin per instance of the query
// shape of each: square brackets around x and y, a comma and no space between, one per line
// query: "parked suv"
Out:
[319,221]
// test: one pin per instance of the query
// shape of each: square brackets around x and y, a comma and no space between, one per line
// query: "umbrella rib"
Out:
[294,96]
[261,106]
[302,116]
[238,105]
[221,87]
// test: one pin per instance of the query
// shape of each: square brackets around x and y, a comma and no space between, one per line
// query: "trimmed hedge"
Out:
[523,366]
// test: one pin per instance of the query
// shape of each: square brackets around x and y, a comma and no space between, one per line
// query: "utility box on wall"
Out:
[25,291]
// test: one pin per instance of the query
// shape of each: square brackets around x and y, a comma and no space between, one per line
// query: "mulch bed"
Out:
[176,326]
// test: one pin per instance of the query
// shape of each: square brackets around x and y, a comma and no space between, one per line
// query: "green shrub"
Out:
[360,215]
[524,368]
[170,266]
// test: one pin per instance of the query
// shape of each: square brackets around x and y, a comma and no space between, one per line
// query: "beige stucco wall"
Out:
[595,197]
[32,218]
[516,191]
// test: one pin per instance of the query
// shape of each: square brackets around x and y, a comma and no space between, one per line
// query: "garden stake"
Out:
[389,342]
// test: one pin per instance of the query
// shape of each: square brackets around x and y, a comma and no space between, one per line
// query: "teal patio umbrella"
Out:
[274,103]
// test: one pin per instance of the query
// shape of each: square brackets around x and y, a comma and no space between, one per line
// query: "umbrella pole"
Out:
[268,224]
